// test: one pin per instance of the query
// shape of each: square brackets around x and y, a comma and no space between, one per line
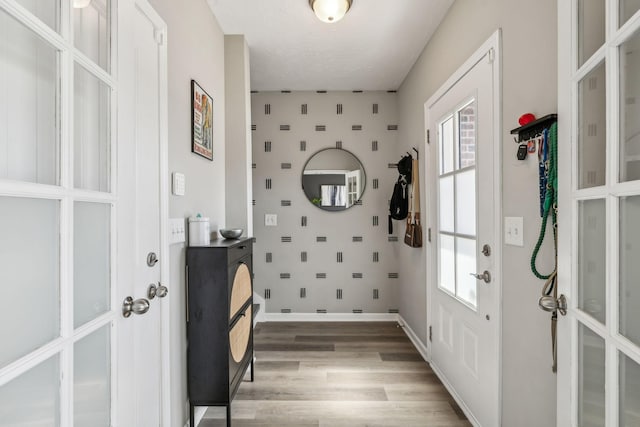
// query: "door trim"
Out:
[165,272]
[493,44]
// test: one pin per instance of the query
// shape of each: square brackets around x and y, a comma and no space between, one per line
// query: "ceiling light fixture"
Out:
[330,11]
[81,4]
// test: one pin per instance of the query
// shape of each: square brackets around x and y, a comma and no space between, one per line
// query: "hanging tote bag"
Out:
[413,233]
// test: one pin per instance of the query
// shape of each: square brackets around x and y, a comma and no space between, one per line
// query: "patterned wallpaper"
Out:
[316,261]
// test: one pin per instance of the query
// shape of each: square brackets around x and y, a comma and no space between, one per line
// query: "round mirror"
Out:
[333,179]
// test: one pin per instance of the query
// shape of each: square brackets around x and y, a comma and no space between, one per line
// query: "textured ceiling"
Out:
[372,48]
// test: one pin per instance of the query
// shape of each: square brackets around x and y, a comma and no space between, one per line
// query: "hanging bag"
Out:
[399,205]
[413,233]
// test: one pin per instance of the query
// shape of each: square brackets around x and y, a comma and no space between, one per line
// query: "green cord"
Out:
[550,203]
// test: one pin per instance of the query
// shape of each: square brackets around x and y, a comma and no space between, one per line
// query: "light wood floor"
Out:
[338,375]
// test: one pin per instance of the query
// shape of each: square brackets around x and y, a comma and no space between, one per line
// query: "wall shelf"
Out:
[535,128]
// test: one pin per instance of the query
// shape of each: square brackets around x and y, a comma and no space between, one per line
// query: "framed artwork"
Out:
[201,122]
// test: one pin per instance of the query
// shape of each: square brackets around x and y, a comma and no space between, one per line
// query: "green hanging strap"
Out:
[550,204]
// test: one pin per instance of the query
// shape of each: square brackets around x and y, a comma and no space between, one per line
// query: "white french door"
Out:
[463,255]
[599,209]
[81,198]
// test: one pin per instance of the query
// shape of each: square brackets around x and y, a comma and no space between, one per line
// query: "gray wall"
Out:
[529,85]
[278,156]
[196,51]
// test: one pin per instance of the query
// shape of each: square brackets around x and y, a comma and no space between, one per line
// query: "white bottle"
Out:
[199,231]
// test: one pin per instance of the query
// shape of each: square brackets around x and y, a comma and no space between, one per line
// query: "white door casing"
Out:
[599,189]
[465,322]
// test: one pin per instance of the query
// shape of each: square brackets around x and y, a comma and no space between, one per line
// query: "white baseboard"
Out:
[198,415]
[472,419]
[330,317]
[257,299]
[417,342]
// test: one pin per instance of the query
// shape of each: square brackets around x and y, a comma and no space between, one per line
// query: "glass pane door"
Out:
[605,198]
[56,313]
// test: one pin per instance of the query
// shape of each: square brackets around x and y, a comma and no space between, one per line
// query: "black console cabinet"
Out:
[219,322]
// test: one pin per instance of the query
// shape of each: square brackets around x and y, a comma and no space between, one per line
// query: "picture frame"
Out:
[201,121]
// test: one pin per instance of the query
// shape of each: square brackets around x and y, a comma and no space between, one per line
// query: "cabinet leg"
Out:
[252,366]
[192,418]
[229,415]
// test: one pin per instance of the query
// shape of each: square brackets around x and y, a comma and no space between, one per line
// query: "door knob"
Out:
[549,303]
[139,306]
[486,276]
[159,291]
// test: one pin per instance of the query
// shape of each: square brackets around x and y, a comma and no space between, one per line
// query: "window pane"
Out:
[592,129]
[591,379]
[91,263]
[92,30]
[33,399]
[591,25]
[29,275]
[47,11]
[446,204]
[466,202]
[630,268]
[29,119]
[629,392]
[446,146]
[467,135]
[592,258]
[92,131]
[465,265]
[92,379]
[447,263]
[630,109]
[627,9]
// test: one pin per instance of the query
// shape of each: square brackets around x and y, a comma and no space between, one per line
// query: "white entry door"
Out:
[463,287]
[599,212]
[143,253]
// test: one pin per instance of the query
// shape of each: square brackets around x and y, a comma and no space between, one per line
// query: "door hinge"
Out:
[428,136]
[492,55]
[430,334]
[158,35]
[429,234]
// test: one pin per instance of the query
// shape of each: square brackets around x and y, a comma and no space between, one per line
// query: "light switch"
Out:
[513,230]
[176,230]
[178,184]
[270,220]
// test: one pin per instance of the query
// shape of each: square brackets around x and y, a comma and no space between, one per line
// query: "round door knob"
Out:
[139,306]
[162,290]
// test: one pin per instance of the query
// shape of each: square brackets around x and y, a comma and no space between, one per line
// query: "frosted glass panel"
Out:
[466,202]
[446,204]
[92,31]
[592,129]
[591,26]
[91,264]
[466,264]
[92,379]
[591,379]
[29,125]
[29,275]
[592,258]
[630,268]
[447,263]
[46,11]
[629,392]
[446,142]
[33,398]
[92,131]
[467,136]
[627,9]
[630,109]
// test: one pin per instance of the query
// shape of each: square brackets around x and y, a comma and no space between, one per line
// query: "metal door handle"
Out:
[549,303]
[139,306]
[159,291]
[486,276]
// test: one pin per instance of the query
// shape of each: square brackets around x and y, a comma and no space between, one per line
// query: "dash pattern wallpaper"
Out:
[316,261]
